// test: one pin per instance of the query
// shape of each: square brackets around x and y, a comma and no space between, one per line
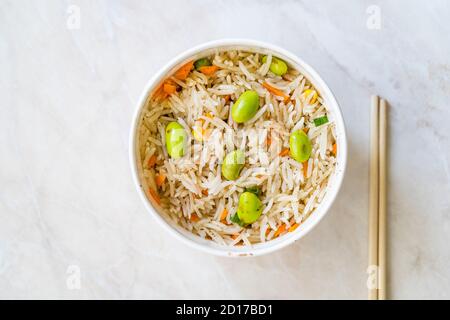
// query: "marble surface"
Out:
[71,222]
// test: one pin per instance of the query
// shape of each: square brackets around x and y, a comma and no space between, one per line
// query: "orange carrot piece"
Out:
[184,71]
[194,217]
[280,230]
[169,88]
[275,91]
[224,214]
[335,149]
[152,161]
[305,168]
[227,98]
[305,129]
[205,192]
[159,179]
[208,70]
[155,196]
[284,152]
[234,236]
[160,93]
[293,227]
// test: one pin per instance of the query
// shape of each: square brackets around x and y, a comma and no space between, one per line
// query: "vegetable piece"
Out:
[277,66]
[205,192]
[275,91]
[335,149]
[155,196]
[169,88]
[152,161]
[245,107]
[233,164]
[307,93]
[300,146]
[305,168]
[175,140]
[183,72]
[249,208]
[280,230]
[320,121]
[202,62]
[224,214]
[159,179]
[194,217]
[293,227]
[254,189]
[284,152]
[235,219]
[208,70]
[268,140]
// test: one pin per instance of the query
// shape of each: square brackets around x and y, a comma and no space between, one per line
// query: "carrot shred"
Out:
[335,149]
[305,129]
[224,214]
[155,196]
[275,91]
[269,139]
[280,230]
[234,236]
[305,168]
[194,217]
[159,179]
[267,231]
[208,70]
[184,71]
[152,161]
[160,93]
[284,152]
[293,227]
[227,98]
[169,88]
[205,192]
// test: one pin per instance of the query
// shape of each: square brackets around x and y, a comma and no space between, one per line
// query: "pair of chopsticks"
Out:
[377,200]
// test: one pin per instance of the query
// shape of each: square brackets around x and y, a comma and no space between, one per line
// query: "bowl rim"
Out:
[260,248]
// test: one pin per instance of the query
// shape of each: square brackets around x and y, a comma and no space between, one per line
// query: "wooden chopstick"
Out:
[382,202]
[373,199]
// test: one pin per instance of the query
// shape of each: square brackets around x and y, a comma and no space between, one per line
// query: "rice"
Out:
[195,195]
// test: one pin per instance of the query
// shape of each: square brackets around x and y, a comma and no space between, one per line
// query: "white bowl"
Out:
[335,180]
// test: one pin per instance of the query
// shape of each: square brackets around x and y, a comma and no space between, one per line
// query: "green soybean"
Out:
[246,106]
[233,164]
[249,208]
[300,146]
[201,63]
[277,66]
[175,140]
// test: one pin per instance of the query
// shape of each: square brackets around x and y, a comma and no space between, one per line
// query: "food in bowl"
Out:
[237,147]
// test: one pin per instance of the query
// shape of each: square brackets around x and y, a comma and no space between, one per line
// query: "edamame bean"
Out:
[203,62]
[249,208]
[300,146]
[245,107]
[175,140]
[277,66]
[233,164]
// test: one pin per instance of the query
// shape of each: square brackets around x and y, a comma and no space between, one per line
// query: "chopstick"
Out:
[373,197]
[382,202]
[377,200]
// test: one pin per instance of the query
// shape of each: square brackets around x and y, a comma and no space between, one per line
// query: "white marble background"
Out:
[66,194]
